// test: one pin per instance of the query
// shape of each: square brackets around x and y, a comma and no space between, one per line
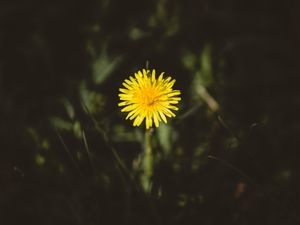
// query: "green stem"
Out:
[147,162]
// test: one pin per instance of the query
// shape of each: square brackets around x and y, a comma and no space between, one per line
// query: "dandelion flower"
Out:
[146,97]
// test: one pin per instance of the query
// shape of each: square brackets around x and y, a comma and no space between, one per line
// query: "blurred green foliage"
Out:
[229,157]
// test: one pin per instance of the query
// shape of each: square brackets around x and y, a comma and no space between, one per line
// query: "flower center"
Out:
[147,97]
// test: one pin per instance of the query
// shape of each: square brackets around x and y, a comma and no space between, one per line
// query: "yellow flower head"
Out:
[148,97]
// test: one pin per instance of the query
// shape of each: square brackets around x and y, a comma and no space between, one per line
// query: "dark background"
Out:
[231,156]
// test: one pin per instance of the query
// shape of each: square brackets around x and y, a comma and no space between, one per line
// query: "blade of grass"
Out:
[88,151]
[68,152]
[103,134]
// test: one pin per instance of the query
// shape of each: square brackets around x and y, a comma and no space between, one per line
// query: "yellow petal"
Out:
[175,99]
[155,119]
[134,114]
[153,76]
[125,91]
[160,77]
[170,84]
[162,116]
[124,103]
[133,80]
[172,107]
[168,112]
[138,120]
[128,82]
[167,80]
[129,108]
[147,122]
[173,93]
[127,86]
